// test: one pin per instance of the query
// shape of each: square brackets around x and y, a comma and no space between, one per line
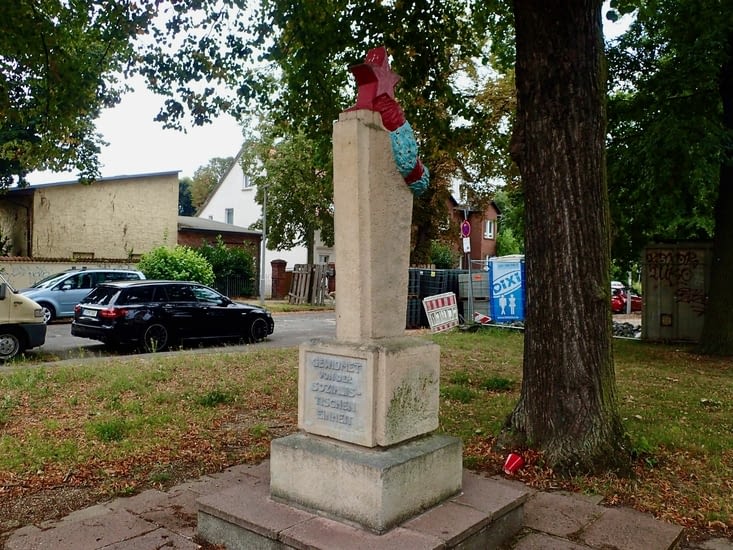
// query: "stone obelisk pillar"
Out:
[368,400]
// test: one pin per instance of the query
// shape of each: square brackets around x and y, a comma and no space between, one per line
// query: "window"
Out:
[138,295]
[206,295]
[180,293]
[324,258]
[229,215]
[246,182]
[489,229]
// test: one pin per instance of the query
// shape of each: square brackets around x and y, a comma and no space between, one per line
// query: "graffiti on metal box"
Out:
[672,268]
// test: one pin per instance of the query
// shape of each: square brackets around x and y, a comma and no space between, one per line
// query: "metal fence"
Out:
[236,286]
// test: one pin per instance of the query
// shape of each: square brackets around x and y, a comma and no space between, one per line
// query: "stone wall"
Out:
[114,218]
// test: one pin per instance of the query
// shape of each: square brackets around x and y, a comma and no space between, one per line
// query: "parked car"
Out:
[21,322]
[57,294]
[619,297]
[155,315]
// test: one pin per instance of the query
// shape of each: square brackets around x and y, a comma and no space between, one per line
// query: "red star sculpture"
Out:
[373,78]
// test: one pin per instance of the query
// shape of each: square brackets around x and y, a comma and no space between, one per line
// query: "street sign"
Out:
[466,245]
[465,228]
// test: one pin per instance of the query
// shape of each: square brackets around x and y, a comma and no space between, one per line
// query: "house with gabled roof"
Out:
[232,201]
[483,229]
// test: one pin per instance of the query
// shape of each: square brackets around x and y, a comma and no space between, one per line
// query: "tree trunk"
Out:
[567,407]
[310,245]
[717,333]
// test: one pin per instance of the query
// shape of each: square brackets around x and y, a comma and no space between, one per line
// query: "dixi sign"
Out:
[507,283]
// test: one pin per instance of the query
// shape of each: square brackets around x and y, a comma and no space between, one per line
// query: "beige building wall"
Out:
[14,224]
[113,218]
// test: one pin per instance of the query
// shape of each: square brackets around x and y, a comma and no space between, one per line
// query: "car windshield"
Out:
[101,296]
[49,281]
[4,280]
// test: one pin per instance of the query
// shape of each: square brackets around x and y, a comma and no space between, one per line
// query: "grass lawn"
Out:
[74,434]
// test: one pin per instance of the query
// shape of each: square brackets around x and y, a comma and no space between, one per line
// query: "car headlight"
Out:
[38,312]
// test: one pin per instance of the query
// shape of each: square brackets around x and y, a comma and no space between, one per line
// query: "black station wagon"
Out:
[155,315]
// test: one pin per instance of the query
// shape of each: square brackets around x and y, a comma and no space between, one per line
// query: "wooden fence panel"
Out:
[309,284]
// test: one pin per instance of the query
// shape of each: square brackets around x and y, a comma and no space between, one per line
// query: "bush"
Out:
[226,261]
[442,255]
[177,264]
[507,243]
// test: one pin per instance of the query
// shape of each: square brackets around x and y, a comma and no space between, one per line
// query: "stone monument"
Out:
[368,400]
[366,469]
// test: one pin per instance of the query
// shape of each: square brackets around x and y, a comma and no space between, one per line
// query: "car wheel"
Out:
[10,346]
[49,313]
[258,330]
[155,338]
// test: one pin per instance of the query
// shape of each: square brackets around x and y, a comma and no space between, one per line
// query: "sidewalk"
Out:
[157,519]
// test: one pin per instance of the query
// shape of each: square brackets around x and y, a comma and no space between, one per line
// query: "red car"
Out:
[619,297]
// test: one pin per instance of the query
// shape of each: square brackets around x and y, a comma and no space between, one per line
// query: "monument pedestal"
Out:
[364,457]
[375,489]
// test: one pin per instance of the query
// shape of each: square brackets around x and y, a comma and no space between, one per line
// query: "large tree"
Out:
[432,44]
[57,66]
[62,62]
[206,178]
[293,176]
[671,152]
[567,405]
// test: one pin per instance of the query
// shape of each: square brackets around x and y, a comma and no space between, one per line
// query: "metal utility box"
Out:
[675,283]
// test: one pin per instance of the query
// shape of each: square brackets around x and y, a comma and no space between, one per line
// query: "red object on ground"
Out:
[619,297]
[513,463]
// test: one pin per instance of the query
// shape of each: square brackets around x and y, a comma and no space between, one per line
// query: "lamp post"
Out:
[263,246]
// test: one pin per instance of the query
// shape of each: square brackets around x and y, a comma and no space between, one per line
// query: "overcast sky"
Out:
[139,145]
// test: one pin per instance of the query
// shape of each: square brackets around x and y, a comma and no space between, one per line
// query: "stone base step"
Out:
[485,514]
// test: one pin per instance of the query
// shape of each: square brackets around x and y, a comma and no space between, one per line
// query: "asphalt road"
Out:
[291,329]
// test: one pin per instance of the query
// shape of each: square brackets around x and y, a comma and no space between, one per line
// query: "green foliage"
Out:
[457,393]
[510,201]
[259,430]
[665,127]
[109,430]
[58,63]
[178,264]
[296,173]
[507,243]
[63,62]
[185,206]
[206,178]
[670,152]
[442,255]
[213,398]
[227,261]
[435,47]
[497,383]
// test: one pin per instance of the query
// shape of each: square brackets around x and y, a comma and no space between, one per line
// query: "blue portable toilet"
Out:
[506,288]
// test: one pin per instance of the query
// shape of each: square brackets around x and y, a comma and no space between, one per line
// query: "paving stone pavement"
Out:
[167,520]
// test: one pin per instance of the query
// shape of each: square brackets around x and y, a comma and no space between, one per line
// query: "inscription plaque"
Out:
[335,402]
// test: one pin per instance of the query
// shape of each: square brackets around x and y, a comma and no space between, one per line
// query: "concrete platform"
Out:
[168,519]
[485,514]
